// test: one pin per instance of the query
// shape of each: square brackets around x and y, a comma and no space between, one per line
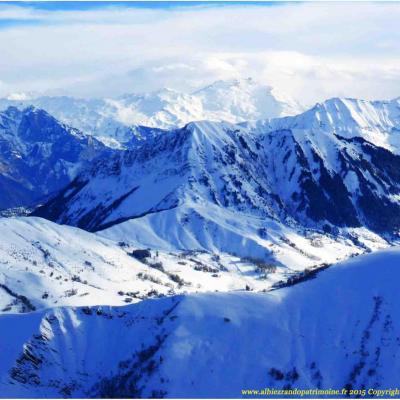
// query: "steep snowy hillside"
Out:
[39,155]
[337,331]
[43,264]
[375,121]
[117,120]
[221,187]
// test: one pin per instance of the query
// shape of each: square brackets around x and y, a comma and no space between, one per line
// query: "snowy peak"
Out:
[246,85]
[245,99]
[376,121]
[353,114]
[197,164]
[229,100]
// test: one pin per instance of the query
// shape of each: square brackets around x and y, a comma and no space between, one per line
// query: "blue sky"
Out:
[310,51]
[90,5]
[57,6]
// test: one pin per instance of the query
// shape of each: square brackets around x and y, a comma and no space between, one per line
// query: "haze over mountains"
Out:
[114,119]
[135,198]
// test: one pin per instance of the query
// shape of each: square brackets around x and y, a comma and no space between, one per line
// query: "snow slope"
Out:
[43,264]
[339,330]
[115,120]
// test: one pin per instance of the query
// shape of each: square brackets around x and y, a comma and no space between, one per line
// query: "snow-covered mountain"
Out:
[209,207]
[231,188]
[338,331]
[116,120]
[39,155]
[377,122]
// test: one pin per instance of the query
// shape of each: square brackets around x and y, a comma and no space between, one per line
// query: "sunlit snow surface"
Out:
[57,265]
[341,328]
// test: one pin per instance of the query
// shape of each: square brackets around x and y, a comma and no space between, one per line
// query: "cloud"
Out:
[308,50]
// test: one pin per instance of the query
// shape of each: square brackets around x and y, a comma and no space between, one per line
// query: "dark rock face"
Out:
[39,155]
[311,189]
[322,192]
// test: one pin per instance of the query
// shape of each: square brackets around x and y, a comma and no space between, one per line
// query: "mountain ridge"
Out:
[202,177]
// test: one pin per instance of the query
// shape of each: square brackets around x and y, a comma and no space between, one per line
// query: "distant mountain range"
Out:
[114,120]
